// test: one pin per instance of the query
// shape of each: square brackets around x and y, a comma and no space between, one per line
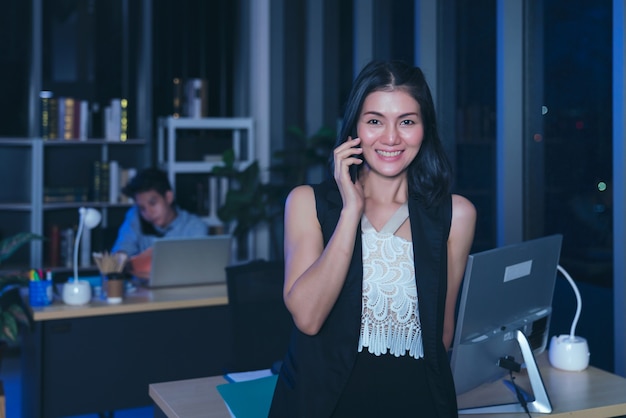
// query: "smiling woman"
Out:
[392,240]
[391,131]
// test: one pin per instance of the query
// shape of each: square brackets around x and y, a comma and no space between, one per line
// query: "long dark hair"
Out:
[430,173]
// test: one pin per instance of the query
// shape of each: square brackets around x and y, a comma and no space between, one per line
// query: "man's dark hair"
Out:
[147,180]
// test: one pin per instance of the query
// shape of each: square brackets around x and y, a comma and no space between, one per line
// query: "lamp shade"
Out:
[91,217]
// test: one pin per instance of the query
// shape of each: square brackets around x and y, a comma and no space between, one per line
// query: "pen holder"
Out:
[40,292]
[113,287]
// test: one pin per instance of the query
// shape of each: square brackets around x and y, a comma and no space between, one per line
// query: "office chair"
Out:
[262,324]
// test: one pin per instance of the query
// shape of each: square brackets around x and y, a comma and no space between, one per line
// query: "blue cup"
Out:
[40,292]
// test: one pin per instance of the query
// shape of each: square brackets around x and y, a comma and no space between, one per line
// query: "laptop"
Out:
[190,261]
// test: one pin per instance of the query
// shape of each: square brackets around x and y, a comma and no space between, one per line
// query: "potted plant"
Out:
[249,201]
[13,311]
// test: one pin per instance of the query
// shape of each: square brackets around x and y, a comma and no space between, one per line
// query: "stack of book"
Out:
[108,180]
[70,118]
[116,120]
[65,194]
[64,118]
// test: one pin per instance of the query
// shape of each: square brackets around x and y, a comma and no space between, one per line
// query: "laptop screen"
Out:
[190,261]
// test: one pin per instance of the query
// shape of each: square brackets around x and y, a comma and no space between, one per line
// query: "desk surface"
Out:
[141,300]
[192,398]
[590,394]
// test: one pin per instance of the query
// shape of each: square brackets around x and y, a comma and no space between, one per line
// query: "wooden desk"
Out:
[592,393]
[139,300]
[192,398]
[100,357]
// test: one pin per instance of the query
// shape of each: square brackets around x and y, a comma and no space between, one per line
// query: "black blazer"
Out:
[316,368]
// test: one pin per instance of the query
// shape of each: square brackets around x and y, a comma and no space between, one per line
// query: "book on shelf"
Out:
[71,118]
[54,244]
[67,112]
[123,120]
[196,98]
[85,120]
[177,97]
[61,246]
[81,120]
[96,181]
[114,181]
[105,175]
[66,194]
[100,181]
[109,178]
[67,118]
[60,117]
[74,134]
[53,118]
[44,99]
[116,120]
[126,174]
[66,248]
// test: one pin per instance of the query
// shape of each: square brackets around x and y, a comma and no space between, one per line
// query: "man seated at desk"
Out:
[154,215]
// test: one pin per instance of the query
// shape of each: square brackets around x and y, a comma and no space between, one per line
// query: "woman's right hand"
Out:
[345,156]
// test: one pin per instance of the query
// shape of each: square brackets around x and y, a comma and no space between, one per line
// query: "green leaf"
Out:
[295,130]
[9,327]
[249,201]
[11,244]
[19,314]
[324,137]
[229,157]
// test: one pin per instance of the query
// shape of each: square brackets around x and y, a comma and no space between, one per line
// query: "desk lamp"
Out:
[78,292]
[570,352]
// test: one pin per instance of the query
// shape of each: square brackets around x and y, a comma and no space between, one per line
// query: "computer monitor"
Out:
[504,311]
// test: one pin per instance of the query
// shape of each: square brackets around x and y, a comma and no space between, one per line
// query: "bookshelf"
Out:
[26,204]
[189,148]
[73,54]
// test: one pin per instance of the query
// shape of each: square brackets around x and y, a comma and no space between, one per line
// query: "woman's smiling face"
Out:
[391,131]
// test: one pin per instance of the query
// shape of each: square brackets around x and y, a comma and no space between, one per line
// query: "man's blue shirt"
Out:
[132,240]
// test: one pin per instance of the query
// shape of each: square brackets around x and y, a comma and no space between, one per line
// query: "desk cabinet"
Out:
[104,363]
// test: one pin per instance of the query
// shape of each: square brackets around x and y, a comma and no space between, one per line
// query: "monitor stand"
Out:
[541,404]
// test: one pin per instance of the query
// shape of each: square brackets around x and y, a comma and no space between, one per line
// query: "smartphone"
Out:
[354,168]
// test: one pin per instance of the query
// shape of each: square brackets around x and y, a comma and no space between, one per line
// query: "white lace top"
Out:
[390,316]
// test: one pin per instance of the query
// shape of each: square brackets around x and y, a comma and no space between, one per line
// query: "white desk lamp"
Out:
[570,352]
[78,292]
